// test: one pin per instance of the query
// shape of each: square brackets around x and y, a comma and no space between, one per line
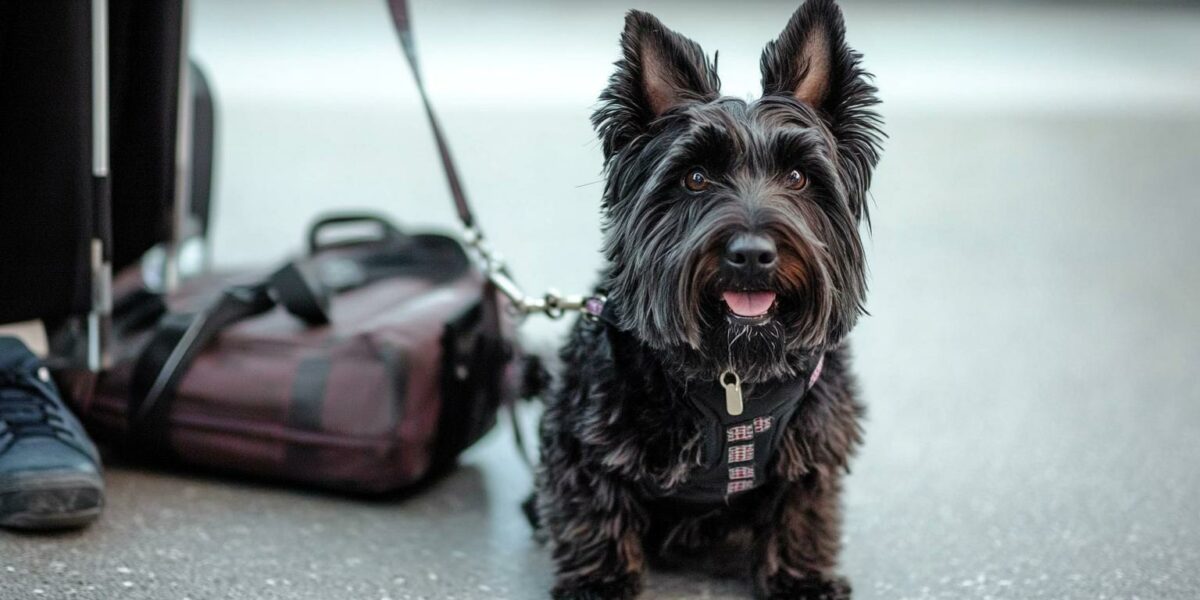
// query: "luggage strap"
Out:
[179,337]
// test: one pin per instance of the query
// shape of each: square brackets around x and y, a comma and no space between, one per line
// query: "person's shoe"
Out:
[49,469]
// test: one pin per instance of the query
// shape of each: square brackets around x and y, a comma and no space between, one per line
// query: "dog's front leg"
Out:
[798,542]
[595,526]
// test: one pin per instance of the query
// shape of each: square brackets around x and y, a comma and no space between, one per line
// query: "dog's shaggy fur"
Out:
[617,425]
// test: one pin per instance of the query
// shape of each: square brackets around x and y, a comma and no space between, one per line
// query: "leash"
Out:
[551,304]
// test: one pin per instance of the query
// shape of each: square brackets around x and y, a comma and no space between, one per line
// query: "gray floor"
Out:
[1030,361]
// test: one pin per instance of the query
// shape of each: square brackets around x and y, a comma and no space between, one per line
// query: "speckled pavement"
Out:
[1030,362]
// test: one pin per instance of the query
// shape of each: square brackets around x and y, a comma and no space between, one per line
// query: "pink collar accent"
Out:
[816,374]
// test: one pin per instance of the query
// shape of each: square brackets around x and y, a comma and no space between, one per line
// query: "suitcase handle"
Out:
[385,231]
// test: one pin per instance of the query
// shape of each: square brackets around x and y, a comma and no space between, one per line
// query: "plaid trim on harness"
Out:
[741,453]
[740,485]
[739,433]
[741,473]
[762,424]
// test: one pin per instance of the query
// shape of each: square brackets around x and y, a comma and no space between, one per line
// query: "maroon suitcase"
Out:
[409,370]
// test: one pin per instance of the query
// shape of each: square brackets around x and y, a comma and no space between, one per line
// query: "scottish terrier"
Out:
[710,410]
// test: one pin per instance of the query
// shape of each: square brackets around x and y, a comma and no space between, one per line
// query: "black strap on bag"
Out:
[179,337]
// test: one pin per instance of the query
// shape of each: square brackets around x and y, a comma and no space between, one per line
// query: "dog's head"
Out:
[732,228]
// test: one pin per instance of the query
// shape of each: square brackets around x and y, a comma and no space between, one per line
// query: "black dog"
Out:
[711,405]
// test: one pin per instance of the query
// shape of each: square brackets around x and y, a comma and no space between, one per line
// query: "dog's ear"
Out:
[809,59]
[811,62]
[659,70]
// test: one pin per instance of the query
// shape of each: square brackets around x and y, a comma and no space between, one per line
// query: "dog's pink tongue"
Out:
[749,304]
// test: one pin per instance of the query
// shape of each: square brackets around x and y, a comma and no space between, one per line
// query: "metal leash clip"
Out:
[552,303]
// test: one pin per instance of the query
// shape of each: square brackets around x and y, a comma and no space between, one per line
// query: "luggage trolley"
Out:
[106,157]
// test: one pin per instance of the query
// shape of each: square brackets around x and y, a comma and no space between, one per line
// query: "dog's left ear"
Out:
[659,70]
[811,62]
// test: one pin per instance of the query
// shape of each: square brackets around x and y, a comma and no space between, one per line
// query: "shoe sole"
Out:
[50,500]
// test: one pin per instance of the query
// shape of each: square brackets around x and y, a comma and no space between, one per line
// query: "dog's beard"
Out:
[679,311]
[754,351]
[778,344]
[758,350]
[708,337]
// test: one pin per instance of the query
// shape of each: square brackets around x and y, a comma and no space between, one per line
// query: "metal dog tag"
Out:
[733,392]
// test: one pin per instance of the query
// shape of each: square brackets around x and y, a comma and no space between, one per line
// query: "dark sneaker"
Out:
[49,469]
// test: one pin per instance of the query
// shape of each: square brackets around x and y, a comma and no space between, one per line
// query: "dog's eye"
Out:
[696,180]
[795,180]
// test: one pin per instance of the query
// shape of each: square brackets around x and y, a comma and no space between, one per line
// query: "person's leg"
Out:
[50,474]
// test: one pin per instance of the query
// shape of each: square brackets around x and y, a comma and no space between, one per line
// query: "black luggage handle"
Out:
[387,231]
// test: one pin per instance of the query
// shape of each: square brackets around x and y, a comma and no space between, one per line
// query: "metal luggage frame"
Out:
[98,329]
[99,320]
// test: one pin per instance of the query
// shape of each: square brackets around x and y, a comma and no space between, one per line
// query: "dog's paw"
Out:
[619,589]
[815,587]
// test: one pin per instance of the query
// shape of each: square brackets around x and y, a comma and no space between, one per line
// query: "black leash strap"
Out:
[400,17]
[496,272]
[550,304]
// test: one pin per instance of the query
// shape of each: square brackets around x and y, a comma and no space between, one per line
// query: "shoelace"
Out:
[28,409]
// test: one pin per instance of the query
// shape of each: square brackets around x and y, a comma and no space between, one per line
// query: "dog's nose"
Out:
[750,254]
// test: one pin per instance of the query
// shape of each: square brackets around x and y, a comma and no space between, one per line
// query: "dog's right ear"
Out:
[659,70]
[811,63]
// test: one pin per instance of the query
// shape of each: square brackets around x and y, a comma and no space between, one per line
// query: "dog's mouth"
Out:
[749,306]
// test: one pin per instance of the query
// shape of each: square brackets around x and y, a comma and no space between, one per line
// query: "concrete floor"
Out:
[1030,361]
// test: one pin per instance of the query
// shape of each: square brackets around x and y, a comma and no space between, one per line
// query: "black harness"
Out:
[737,449]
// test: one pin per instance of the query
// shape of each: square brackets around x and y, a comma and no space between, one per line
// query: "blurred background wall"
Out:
[317,111]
